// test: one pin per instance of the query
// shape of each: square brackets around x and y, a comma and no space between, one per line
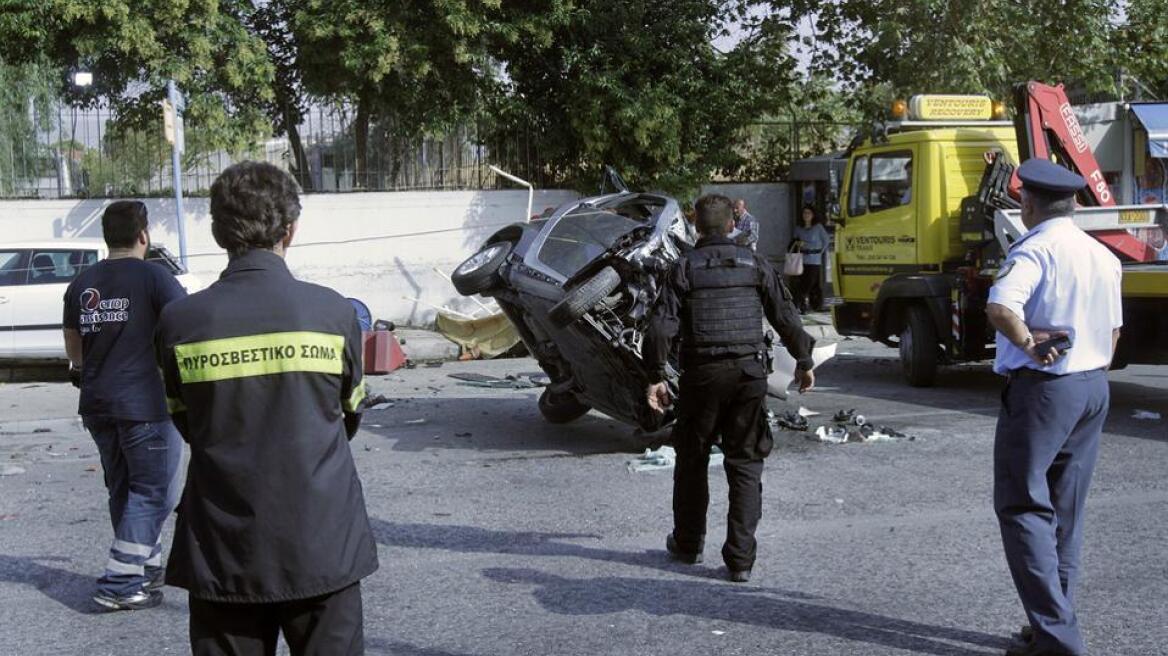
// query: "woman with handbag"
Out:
[811,241]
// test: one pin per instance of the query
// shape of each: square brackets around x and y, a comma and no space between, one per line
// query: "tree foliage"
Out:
[640,87]
[133,47]
[881,49]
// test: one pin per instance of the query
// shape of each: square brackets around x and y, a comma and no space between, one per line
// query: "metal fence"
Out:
[73,153]
[66,152]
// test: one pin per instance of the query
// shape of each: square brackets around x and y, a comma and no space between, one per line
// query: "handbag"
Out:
[793,264]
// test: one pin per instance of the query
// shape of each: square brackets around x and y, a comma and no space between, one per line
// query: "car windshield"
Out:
[585,233]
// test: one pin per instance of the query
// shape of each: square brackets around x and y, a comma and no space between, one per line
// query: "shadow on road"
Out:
[741,605]
[496,423]
[379,646]
[470,539]
[69,589]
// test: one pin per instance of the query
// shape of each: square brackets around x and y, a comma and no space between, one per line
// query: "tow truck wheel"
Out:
[562,407]
[919,349]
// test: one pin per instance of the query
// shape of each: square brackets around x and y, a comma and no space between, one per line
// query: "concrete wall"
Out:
[378,247]
[770,203]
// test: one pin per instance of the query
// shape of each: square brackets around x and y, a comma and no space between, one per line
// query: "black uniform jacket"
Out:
[261,370]
[665,323]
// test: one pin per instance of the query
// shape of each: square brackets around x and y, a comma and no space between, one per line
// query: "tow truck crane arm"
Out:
[1046,126]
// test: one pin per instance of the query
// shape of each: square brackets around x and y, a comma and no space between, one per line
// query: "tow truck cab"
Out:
[906,274]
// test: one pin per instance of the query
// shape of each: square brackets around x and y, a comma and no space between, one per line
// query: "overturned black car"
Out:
[578,285]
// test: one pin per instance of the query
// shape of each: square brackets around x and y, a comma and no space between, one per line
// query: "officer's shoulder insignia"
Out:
[1007,267]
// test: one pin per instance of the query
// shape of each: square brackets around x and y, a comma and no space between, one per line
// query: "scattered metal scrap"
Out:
[511,381]
[845,426]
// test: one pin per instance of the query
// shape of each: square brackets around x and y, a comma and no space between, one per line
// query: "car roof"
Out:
[55,244]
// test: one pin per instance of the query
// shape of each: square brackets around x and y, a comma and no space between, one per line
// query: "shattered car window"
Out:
[584,234]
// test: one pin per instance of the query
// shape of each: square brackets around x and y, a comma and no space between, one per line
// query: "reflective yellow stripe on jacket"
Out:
[260,355]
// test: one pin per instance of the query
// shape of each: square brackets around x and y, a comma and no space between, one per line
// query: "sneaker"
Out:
[139,600]
[676,553]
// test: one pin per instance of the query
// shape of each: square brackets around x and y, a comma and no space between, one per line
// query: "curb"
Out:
[426,345]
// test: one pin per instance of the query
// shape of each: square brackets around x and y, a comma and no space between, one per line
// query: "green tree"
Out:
[882,49]
[639,86]
[133,46]
[26,90]
[1141,45]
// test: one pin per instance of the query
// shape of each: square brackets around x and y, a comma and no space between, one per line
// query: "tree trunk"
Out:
[361,139]
[299,157]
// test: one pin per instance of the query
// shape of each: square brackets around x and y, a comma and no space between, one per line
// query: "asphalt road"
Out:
[503,535]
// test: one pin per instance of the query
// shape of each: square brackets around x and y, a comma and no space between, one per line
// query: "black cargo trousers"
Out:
[721,399]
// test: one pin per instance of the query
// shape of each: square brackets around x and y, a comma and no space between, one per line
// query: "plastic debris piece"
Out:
[381,406]
[660,459]
[415,422]
[804,412]
[831,434]
[1146,414]
[665,457]
[718,632]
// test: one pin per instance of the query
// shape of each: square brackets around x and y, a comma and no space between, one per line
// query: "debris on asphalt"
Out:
[415,422]
[1146,414]
[511,381]
[804,412]
[463,434]
[42,430]
[831,434]
[91,468]
[789,420]
[665,457]
[11,470]
[849,417]
[864,433]
[377,402]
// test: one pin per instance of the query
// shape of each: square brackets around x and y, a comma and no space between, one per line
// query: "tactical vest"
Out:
[723,307]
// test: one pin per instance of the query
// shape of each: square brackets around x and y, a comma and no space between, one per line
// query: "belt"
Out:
[1026,372]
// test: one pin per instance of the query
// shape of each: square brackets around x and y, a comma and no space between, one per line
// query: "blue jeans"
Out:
[140,460]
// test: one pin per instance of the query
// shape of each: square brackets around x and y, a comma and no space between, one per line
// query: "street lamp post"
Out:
[172,109]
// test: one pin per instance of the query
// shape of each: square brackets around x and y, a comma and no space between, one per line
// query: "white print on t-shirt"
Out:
[95,311]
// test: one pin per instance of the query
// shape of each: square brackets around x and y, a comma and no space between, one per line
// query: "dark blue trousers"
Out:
[1045,449]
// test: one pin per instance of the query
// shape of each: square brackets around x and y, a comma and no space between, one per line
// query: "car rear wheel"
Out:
[479,273]
[581,299]
[919,350]
[561,407]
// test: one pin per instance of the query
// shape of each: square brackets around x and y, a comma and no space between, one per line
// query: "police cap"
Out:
[1044,176]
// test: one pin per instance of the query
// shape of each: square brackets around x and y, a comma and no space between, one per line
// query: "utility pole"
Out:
[172,122]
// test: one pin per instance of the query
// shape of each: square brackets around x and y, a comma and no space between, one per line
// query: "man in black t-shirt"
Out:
[111,310]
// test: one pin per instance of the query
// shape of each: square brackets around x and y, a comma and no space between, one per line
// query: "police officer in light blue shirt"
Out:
[1057,281]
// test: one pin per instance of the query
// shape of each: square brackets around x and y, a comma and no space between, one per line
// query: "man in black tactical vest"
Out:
[715,299]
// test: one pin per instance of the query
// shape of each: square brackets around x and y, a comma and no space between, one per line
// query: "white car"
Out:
[33,279]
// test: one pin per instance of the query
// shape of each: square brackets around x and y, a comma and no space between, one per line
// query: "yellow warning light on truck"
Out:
[950,108]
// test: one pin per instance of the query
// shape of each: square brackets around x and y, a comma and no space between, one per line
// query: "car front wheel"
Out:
[479,273]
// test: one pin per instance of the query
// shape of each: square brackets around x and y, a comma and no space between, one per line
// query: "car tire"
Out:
[583,298]
[479,273]
[561,408]
[919,349]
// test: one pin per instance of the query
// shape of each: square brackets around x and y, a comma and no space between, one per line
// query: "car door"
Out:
[39,302]
[879,238]
[13,272]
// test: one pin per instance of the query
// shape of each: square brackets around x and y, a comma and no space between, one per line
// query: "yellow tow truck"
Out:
[927,211]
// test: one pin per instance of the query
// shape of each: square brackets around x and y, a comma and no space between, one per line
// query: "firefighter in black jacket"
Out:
[715,299]
[263,379]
